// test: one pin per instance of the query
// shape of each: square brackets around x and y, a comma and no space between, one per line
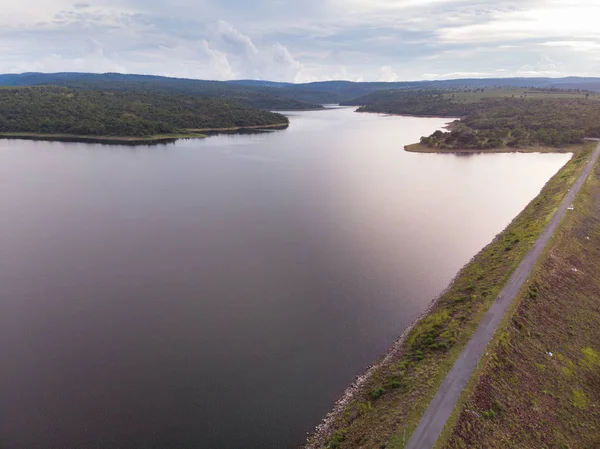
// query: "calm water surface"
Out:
[222,293]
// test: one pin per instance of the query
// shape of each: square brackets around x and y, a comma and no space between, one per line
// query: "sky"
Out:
[303,40]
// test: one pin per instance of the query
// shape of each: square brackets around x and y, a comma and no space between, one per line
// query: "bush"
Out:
[376,394]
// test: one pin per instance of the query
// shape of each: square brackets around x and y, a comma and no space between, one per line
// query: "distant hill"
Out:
[255,96]
[264,94]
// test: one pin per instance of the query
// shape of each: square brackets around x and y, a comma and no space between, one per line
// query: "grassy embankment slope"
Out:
[56,113]
[386,408]
[540,383]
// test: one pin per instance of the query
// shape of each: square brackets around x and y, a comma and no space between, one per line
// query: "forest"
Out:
[498,118]
[58,110]
[519,123]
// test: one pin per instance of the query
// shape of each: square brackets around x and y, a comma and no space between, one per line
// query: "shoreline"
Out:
[453,117]
[322,431]
[239,128]
[420,148]
[342,422]
[135,140]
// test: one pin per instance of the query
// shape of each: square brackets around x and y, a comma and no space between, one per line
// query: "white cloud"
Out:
[388,74]
[246,59]
[545,19]
[579,45]
[219,67]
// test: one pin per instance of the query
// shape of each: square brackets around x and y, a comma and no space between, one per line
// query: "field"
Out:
[540,384]
[387,406]
[474,95]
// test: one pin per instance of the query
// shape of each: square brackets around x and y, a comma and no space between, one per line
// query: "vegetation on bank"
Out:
[497,118]
[539,385]
[387,407]
[108,140]
[420,148]
[52,110]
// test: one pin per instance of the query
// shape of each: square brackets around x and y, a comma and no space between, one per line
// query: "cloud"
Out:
[288,40]
[388,74]
[219,67]
[543,20]
[246,59]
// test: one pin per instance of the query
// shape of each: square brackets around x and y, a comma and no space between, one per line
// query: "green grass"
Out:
[548,401]
[432,346]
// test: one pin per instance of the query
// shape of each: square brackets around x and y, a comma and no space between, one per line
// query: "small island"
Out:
[76,115]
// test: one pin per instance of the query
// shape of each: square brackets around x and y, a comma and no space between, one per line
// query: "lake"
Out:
[222,293]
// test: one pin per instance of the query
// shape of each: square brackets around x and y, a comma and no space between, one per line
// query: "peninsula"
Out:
[65,114]
[495,119]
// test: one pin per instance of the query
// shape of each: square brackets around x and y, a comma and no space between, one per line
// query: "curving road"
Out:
[443,403]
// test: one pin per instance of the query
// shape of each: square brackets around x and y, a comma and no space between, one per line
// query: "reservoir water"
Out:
[222,293]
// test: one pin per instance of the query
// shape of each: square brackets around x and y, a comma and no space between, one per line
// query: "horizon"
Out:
[280,40]
[309,82]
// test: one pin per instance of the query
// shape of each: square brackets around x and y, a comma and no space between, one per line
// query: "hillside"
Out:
[280,95]
[255,96]
[58,110]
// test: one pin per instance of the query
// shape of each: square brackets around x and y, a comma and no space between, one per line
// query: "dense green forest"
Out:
[496,118]
[58,110]
[521,123]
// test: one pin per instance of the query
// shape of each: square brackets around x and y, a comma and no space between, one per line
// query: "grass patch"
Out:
[433,344]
